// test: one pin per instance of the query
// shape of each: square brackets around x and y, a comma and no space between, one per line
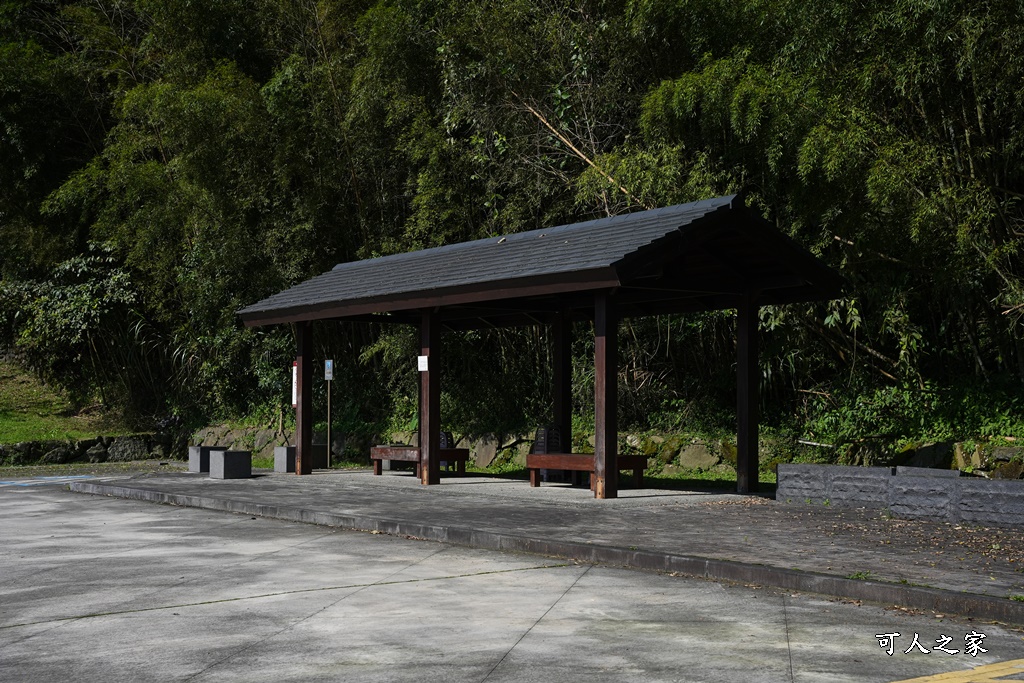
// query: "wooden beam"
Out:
[430,399]
[561,356]
[516,288]
[747,375]
[606,373]
[304,399]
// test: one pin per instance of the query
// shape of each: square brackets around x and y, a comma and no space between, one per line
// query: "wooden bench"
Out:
[582,462]
[451,456]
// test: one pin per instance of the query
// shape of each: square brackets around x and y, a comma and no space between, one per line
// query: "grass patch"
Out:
[32,411]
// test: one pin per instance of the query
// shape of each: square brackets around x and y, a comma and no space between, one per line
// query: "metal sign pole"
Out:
[329,376]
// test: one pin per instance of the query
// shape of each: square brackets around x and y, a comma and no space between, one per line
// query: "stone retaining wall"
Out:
[98,449]
[907,492]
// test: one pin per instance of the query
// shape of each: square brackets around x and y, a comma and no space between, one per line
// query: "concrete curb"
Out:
[944,601]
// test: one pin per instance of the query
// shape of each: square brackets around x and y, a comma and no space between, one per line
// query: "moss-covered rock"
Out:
[669,448]
[698,455]
[728,452]
[1008,470]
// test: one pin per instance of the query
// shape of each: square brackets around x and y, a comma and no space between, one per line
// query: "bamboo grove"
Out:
[165,162]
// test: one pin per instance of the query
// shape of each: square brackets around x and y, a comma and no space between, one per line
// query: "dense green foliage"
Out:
[164,163]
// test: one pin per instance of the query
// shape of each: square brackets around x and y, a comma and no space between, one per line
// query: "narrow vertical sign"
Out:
[295,383]
[328,370]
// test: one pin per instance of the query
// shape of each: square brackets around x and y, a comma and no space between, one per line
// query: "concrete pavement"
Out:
[858,554]
[102,589]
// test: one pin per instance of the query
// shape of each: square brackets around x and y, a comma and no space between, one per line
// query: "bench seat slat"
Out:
[581,462]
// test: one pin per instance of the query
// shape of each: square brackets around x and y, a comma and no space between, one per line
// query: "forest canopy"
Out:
[164,163]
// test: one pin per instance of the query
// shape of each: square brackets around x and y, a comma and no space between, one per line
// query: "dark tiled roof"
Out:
[579,251]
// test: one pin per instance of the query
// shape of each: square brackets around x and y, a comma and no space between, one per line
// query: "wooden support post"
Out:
[747,392]
[304,398]
[606,374]
[430,399]
[561,337]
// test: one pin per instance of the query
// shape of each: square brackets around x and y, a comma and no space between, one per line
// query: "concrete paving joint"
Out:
[918,597]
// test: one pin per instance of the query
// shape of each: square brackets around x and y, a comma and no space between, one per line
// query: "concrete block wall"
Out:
[907,492]
[989,502]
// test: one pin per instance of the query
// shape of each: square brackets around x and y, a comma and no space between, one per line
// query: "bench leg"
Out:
[593,480]
[377,469]
[638,478]
[534,477]
[416,470]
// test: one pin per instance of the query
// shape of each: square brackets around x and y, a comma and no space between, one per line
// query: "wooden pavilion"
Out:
[708,255]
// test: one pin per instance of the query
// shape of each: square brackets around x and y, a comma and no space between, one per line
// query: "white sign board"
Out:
[295,384]
[421,362]
[328,370]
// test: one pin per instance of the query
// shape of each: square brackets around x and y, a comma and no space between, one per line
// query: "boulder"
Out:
[341,441]
[1008,470]
[1005,454]
[264,441]
[938,455]
[484,451]
[411,438]
[966,459]
[210,436]
[356,446]
[11,455]
[179,446]
[82,445]
[160,445]
[128,448]
[59,455]
[697,456]
[728,451]
[517,450]
[672,471]
[667,449]
[97,453]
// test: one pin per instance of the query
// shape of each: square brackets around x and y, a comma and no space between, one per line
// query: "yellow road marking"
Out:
[982,674]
